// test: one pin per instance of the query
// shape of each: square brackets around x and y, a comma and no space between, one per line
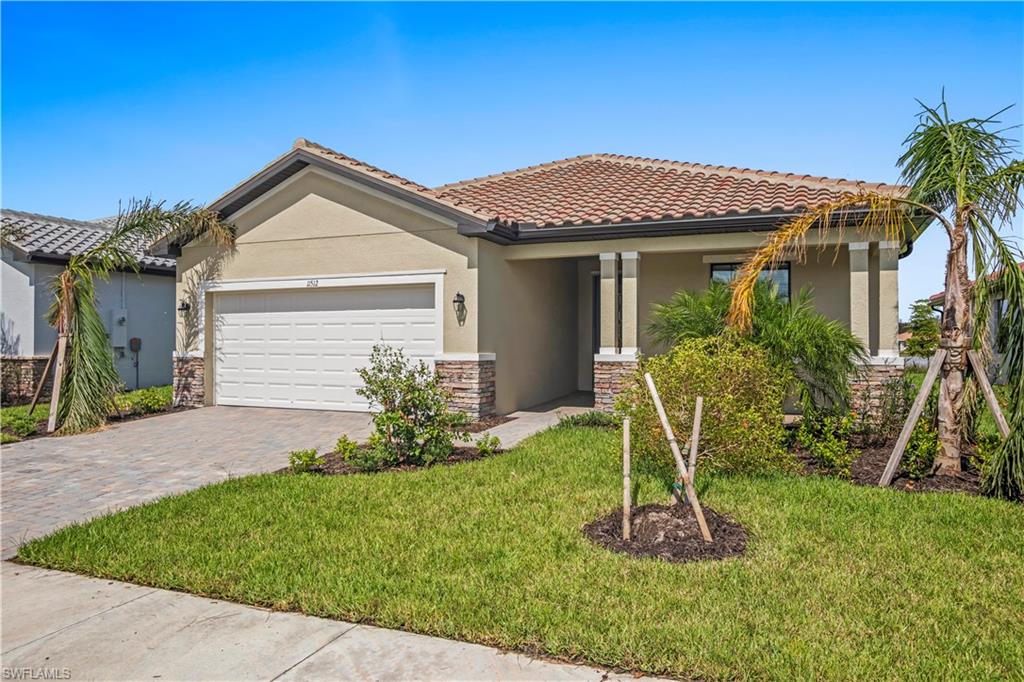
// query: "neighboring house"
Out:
[35,248]
[995,316]
[519,287]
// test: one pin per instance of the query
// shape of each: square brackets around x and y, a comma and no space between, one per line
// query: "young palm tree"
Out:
[961,174]
[89,380]
[822,353]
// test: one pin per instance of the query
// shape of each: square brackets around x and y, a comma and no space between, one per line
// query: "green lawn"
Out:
[840,581]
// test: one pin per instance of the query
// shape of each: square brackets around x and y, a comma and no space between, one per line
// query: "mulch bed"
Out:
[489,422]
[113,419]
[335,465]
[670,532]
[867,470]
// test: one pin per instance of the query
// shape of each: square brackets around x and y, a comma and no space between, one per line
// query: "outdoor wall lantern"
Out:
[459,303]
[184,306]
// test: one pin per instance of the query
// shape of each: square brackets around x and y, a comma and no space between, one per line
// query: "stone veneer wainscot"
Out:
[20,376]
[189,387]
[611,374]
[471,383]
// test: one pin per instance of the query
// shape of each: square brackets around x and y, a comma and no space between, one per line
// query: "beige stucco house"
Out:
[519,287]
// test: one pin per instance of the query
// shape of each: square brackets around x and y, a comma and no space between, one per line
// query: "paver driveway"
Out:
[50,482]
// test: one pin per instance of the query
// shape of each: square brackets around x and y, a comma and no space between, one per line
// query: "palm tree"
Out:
[821,353]
[961,174]
[87,379]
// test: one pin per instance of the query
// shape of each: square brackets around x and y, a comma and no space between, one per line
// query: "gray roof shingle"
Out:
[61,238]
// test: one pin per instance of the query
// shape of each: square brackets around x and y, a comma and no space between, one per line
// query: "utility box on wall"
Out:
[119,328]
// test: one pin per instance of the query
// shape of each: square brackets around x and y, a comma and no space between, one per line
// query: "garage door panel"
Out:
[303,348]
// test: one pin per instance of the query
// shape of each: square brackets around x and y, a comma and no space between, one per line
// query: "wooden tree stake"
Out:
[691,494]
[990,396]
[42,381]
[698,412]
[627,504]
[915,413]
[58,374]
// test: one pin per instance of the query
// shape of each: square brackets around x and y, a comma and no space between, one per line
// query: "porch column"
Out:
[609,296]
[630,314]
[888,298]
[860,302]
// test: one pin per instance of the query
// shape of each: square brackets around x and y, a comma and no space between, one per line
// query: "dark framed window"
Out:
[726,273]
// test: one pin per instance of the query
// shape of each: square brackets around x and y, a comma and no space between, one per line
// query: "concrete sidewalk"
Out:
[71,627]
[527,422]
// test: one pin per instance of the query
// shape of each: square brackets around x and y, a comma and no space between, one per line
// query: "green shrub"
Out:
[884,424]
[304,461]
[594,418]
[922,448]
[819,353]
[488,445]
[372,457]
[346,447]
[144,400]
[19,423]
[743,395]
[412,423]
[827,439]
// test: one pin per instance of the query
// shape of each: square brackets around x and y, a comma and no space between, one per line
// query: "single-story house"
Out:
[519,287]
[132,305]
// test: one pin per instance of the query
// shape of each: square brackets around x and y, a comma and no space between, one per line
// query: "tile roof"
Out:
[940,296]
[608,189]
[43,235]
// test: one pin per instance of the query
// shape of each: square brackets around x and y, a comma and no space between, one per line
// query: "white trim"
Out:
[890,245]
[885,359]
[186,354]
[608,255]
[467,357]
[614,357]
[629,351]
[607,350]
[859,246]
[630,255]
[323,281]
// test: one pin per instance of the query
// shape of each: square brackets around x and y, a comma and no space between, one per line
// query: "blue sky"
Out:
[181,101]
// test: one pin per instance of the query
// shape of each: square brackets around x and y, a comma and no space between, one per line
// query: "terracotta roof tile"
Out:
[601,189]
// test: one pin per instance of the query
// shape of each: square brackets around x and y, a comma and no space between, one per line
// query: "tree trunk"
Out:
[955,338]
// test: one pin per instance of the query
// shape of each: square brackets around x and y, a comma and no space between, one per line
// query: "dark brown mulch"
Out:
[867,470]
[335,465]
[488,422]
[670,532]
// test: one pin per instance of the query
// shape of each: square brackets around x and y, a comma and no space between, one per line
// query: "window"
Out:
[726,272]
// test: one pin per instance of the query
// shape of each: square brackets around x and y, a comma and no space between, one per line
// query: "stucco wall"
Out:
[148,298]
[536,342]
[316,225]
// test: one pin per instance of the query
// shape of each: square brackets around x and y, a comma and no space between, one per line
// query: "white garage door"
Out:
[301,348]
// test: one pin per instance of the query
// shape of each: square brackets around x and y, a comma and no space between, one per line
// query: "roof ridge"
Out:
[793,179]
[55,219]
[736,171]
[387,176]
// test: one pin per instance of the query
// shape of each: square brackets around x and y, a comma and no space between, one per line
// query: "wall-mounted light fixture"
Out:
[184,306]
[459,304]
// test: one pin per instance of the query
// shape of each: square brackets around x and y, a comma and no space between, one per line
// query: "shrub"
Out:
[488,445]
[827,439]
[412,424]
[594,418]
[346,447]
[304,461]
[880,426]
[820,353]
[743,394]
[20,423]
[144,400]
[923,446]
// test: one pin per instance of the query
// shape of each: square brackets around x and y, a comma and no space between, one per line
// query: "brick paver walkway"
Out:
[50,482]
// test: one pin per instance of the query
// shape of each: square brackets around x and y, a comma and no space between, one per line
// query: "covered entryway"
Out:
[301,347]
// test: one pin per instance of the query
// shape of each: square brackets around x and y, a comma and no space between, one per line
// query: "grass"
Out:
[840,582]
[17,424]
